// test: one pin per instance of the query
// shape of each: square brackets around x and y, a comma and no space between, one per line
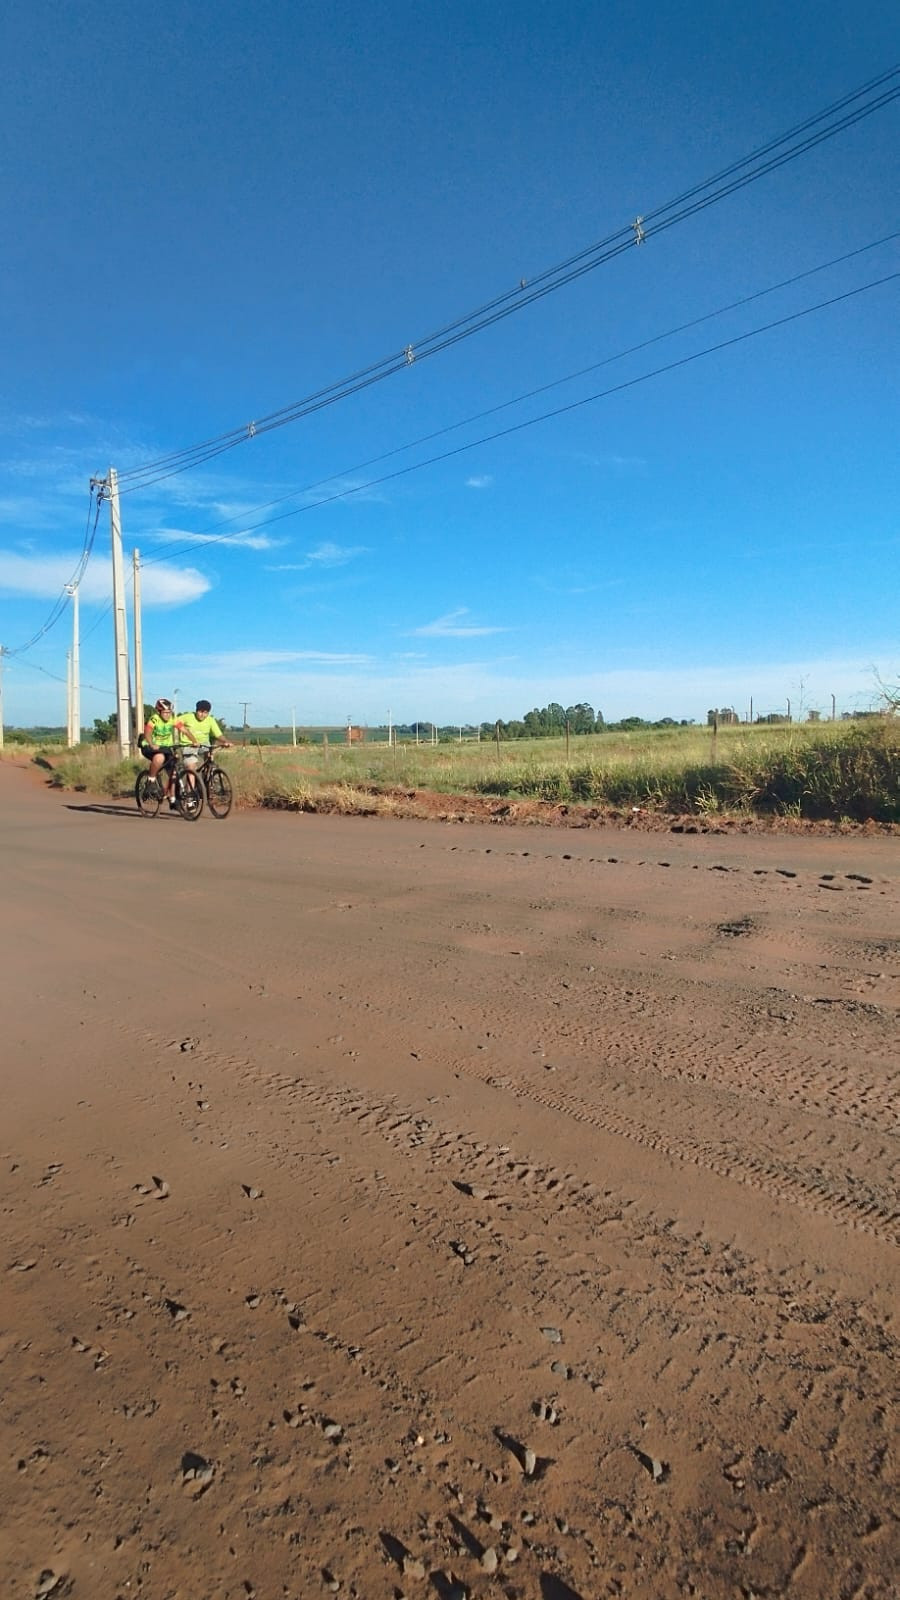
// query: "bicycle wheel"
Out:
[190,799]
[148,795]
[219,793]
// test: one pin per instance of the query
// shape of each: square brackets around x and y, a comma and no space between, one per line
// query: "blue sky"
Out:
[211,210]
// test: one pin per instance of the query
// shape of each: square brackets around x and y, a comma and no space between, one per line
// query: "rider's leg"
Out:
[157,762]
[170,778]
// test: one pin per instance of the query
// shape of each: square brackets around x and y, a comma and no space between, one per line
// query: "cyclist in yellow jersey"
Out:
[158,742]
[204,731]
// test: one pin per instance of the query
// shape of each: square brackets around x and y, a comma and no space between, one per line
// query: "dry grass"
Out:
[834,771]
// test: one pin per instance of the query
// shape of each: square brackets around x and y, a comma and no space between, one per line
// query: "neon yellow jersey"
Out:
[162,735]
[203,729]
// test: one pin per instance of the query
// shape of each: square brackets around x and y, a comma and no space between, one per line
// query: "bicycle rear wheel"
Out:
[190,799]
[148,795]
[219,793]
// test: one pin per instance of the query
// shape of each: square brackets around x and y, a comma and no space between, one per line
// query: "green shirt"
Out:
[162,736]
[203,729]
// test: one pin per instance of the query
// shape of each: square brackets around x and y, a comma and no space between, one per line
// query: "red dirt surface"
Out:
[396,1209]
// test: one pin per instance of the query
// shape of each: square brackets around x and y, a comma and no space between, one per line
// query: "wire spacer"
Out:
[639,234]
[409,355]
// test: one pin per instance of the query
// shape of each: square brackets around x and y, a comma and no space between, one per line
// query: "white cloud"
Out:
[450,627]
[244,541]
[43,577]
[480,480]
[256,660]
[323,557]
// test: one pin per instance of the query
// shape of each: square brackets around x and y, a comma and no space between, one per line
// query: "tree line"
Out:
[542,722]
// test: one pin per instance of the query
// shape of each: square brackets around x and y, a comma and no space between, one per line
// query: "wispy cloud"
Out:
[243,541]
[450,626]
[481,480]
[43,577]
[253,660]
[323,557]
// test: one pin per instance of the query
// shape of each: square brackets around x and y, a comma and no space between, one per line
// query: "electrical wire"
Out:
[65,595]
[34,666]
[767,158]
[574,405]
[175,548]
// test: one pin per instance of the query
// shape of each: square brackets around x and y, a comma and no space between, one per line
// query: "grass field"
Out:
[845,770]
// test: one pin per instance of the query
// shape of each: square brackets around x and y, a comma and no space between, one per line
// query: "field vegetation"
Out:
[842,770]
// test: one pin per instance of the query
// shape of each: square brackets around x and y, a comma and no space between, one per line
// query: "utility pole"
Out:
[109,486]
[833,709]
[294,726]
[73,675]
[390,728]
[138,648]
[244,725]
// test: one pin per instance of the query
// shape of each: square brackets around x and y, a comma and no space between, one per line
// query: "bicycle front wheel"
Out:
[190,799]
[148,795]
[219,793]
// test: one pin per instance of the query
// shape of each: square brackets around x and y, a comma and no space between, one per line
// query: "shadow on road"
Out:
[122,810]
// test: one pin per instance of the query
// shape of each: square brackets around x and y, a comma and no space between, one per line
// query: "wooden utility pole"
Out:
[138,647]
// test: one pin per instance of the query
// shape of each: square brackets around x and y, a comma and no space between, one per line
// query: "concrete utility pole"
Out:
[110,487]
[73,721]
[138,648]
[294,726]
[76,670]
[69,739]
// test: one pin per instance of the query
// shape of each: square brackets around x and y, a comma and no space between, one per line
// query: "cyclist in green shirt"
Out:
[203,730]
[158,742]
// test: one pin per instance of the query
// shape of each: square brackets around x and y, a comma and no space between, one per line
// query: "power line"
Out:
[175,549]
[767,158]
[559,411]
[65,595]
[35,666]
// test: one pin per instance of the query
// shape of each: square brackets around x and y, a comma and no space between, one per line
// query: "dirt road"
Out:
[396,1209]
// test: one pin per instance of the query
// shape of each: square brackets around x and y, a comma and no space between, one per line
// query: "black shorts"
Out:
[149,750]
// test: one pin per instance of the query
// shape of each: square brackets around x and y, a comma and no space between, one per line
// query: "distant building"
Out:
[725,715]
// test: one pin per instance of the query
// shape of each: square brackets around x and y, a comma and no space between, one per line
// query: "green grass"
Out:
[822,771]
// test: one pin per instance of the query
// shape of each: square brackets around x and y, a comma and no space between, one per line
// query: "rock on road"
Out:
[399,1208]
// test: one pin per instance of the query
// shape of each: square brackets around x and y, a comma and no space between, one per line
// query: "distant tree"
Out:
[581,718]
[106,729]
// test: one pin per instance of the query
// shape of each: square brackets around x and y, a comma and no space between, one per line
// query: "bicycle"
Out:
[148,792]
[216,786]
